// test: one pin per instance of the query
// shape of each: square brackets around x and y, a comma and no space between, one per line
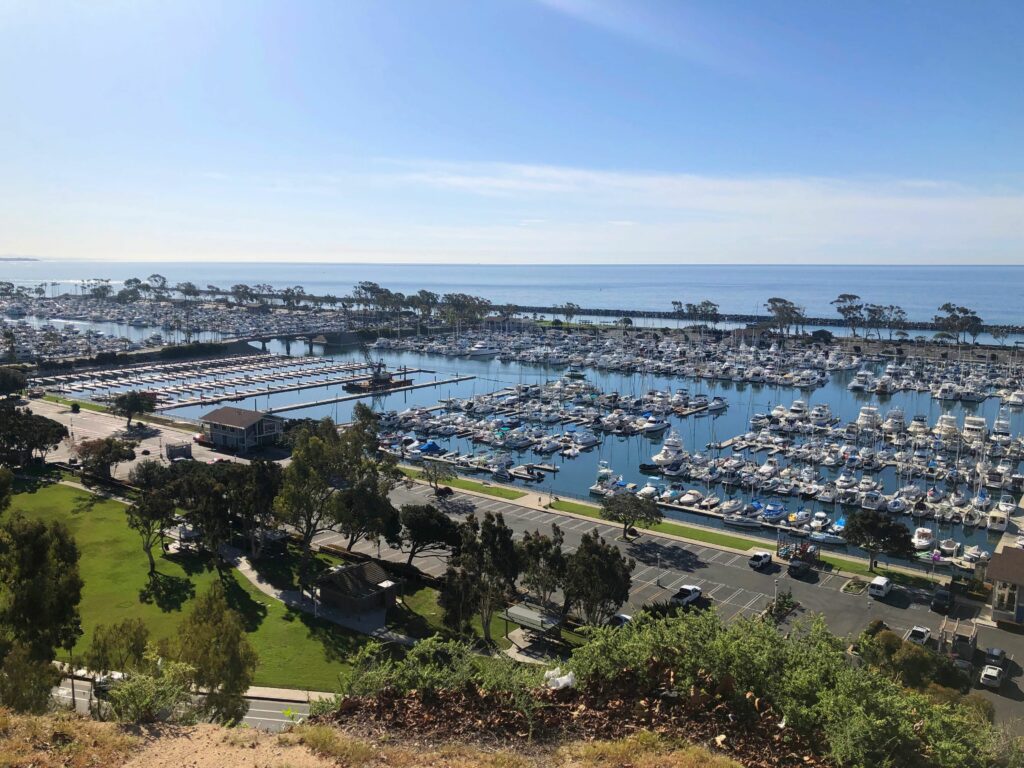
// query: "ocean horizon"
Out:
[990,290]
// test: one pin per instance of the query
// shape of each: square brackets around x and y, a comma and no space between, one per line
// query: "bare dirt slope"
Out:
[63,741]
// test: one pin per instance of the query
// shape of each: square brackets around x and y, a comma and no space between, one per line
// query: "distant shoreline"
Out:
[17,258]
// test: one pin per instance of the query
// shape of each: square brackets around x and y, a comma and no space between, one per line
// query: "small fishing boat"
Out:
[923,539]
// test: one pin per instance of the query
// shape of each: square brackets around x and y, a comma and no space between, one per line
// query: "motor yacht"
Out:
[671,450]
[868,418]
[975,429]
[894,421]
[922,539]
[918,425]
[997,520]
[946,428]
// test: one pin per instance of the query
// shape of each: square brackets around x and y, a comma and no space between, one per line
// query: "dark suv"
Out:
[942,600]
[798,569]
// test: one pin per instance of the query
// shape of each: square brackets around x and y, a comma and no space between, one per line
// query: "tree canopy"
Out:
[130,404]
[427,530]
[876,532]
[629,509]
[597,578]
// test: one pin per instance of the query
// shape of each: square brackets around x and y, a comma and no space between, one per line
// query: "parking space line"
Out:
[753,600]
[675,584]
[730,599]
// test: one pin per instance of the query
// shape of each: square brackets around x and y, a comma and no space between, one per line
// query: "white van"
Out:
[880,587]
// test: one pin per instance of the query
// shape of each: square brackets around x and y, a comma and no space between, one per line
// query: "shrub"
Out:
[163,694]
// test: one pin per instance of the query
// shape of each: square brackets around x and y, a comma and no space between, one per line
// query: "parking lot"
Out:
[733,588]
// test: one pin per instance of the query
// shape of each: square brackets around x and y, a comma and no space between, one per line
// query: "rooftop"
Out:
[1007,565]
[229,416]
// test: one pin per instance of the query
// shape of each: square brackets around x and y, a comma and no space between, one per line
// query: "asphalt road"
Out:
[268,714]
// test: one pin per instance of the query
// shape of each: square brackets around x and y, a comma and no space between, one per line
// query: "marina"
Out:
[722,431]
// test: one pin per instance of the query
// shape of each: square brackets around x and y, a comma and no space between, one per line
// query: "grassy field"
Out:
[85,405]
[144,418]
[676,529]
[501,491]
[295,649]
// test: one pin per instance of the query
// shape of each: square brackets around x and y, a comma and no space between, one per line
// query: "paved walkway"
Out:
[371,624]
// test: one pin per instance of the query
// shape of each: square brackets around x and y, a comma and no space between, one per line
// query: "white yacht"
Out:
[655,424]
[860,381]
[918,425]
[671,450]
[948,390]
[1015,399]
[894,421]
[1001,427]
[798,410]
[946,428]
[820,415]
[975,429]
[868,418]
[997,519]
[923,539]
[482,349]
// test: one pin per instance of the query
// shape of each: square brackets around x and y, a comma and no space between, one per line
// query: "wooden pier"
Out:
[244,394]
[360,395]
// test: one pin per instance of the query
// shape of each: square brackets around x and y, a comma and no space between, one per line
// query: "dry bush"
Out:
[61,740]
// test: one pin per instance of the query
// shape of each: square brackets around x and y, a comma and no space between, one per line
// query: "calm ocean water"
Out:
[992,291]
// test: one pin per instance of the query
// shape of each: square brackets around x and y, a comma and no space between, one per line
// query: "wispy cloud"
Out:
[674,28]
[784,218]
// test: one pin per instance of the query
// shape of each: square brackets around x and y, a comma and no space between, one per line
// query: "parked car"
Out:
[880,587]
[444,492]
[798,568]
[918,635]
[686,595]
[619,620]
[995,657]
[991,676]
[942,600]
[760,560]
[103,683]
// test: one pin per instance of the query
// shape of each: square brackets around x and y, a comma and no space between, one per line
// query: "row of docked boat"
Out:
[730,359]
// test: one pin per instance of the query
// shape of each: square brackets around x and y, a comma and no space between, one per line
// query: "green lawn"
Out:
[85,405]
[500,491]
[153,418]
[861,569]
[419,615]
[706,535]
[736,542]
[295,649]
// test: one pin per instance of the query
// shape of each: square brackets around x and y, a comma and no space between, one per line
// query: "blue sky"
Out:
[495,131]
